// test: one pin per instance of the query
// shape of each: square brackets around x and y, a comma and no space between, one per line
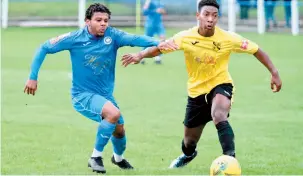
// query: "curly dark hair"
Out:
[96,7]
[208,3]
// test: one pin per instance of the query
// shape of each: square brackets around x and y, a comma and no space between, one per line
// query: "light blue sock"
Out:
[105,131]
[119,145]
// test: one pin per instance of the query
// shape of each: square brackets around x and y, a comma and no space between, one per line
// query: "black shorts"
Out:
[198,109]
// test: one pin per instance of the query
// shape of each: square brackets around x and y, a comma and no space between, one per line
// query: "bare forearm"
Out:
[149,52]
[265,60]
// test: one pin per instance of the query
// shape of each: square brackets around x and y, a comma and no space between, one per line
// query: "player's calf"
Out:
[119,146]
[220,110]
[119,131]
[226,138]
[189,147]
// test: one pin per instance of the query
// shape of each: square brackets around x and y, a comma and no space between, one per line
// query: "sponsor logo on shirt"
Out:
[96,64]
[84,44]
[206,59]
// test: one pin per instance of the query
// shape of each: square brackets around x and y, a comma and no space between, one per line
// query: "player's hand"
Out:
[161,11]
[168,45]
[131,58]
[276,82]
[31,87]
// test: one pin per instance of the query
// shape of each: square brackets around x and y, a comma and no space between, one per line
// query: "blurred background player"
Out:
[270,6]
[93,51]
[244,8]
[287,11]
[153,10]
[207,50]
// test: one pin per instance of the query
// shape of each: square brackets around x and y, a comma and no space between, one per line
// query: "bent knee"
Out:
[219,115]
[110,112]
[113,116]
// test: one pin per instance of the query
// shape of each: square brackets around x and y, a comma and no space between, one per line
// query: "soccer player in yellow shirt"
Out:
[207,49]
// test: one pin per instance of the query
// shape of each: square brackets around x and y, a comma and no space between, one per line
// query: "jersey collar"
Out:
[196,29]
[92,37]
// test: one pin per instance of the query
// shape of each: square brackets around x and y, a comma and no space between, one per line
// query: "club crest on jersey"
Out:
[244,44]
[107,40]
[217,46]
[55,40]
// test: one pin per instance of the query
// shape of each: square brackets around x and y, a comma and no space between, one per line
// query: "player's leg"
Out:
[119,142]
[160,30]
[287,10]
[110,115]
[267,15]
[275,24]
[118,139]
[101,110]
[221,104]
[119,145]
[196,117]
[188,145]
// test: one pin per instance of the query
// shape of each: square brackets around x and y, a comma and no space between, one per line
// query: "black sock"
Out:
[226,138]
[189,150]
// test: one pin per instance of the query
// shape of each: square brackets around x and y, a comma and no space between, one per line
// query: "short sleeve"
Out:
[243,45]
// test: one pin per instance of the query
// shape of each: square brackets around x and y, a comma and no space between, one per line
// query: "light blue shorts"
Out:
[90,105]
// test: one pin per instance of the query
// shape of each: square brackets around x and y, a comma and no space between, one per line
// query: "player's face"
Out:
[98,23]
[208,18]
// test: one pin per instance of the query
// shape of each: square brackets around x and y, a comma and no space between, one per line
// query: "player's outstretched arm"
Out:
[150,52]
[135,58]
[127,39]
[54,45]
[276,82]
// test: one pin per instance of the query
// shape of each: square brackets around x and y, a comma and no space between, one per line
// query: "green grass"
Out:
[44,135]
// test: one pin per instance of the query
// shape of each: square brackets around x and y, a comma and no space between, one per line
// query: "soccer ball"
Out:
[225,165]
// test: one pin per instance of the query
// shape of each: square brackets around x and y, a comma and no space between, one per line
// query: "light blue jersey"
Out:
[93,59]
[93,65]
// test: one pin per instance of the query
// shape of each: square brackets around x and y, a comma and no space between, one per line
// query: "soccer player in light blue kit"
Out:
[93,52]
[153,11]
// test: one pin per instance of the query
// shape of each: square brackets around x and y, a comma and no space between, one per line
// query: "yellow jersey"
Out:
[207,57]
